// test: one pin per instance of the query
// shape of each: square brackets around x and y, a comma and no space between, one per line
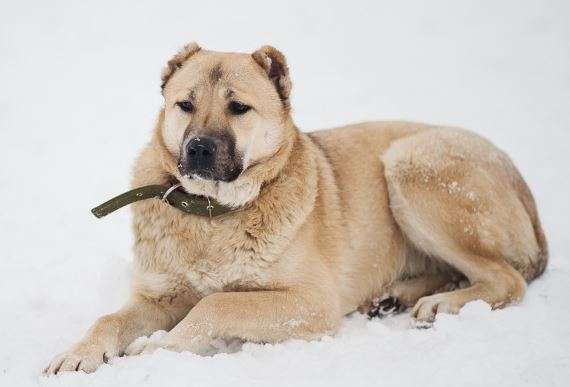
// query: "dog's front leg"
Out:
[258,316]
[111,334]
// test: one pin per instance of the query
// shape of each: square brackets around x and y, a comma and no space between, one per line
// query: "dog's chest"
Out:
[211,255]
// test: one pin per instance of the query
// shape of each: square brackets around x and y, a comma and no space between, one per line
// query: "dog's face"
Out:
[224,112]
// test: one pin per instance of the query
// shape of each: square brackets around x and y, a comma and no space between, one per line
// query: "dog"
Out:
[376,217]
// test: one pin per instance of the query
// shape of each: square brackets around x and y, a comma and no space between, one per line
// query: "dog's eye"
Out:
[185,106]
[237,108]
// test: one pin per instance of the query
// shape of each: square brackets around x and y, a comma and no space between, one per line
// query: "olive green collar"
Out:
[173,195]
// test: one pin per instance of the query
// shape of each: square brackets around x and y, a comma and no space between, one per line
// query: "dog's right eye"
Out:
[238,108]
[185,106]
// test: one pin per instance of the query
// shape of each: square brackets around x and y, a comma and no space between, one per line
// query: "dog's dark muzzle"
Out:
[211,158]
[201,154]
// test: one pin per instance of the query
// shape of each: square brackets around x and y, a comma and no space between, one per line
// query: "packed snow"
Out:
[80,91]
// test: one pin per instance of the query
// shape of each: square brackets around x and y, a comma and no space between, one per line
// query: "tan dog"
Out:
[325,222]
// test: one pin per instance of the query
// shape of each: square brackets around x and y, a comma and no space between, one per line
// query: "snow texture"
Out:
[80,91]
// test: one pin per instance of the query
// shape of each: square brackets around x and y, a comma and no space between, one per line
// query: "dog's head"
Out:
[223,112]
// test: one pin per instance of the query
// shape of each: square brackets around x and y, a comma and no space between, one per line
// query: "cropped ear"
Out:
[177,61]
[275,65]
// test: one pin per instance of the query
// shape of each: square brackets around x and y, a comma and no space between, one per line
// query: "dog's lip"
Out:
[208,174]
[204,174]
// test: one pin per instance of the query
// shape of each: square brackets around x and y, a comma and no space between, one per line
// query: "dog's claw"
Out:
[385,307]
[422,324]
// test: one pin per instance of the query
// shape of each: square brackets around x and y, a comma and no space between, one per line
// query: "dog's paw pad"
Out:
[384,307]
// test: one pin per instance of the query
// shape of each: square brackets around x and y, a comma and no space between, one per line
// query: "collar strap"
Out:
[190,204]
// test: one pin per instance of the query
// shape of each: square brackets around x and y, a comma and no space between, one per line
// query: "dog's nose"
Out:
[201,152]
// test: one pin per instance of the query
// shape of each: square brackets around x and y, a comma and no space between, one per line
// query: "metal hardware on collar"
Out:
[168,191]
[210,207]
[171,195]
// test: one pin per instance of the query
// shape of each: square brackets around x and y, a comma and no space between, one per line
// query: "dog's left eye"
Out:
[186,106]
[237,108]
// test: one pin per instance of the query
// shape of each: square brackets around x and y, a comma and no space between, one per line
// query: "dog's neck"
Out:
[247,187]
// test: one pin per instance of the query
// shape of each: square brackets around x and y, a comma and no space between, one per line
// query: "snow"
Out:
[80,90]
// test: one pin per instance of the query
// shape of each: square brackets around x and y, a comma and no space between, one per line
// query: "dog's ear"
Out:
[275,65]
[177,61]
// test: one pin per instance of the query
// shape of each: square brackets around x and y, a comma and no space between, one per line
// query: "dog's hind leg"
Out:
[404,294]
[454,197]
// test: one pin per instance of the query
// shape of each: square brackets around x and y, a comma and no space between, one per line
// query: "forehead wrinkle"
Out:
[216,73]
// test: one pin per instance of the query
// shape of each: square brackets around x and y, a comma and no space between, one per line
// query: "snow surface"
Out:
[79,93]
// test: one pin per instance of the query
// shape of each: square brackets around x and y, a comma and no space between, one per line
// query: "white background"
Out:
[79,91]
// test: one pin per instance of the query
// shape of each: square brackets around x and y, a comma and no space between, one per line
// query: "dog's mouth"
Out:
[227,176]
[201,174]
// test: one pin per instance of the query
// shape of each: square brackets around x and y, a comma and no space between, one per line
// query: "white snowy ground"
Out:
[79,90]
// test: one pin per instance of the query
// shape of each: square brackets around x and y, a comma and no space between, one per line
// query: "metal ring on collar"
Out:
[169,191]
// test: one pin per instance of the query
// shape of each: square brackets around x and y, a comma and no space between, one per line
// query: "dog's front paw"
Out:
[147,347]
[146,344]
[86,357]
[201,345]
